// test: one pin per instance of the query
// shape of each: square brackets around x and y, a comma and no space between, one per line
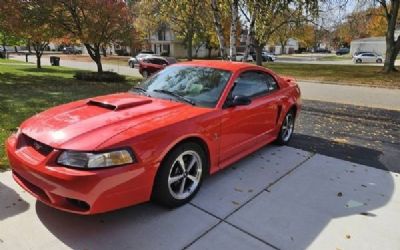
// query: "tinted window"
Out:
[157,61]
[254,83]
[201,85]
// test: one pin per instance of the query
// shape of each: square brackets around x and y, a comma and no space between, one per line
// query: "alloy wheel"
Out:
[287,127]
[185,175]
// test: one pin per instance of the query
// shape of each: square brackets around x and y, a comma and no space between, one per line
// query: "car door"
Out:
[369,57]
[245,126]
[156,65]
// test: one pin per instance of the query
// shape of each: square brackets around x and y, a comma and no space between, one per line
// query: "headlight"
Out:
[96,160]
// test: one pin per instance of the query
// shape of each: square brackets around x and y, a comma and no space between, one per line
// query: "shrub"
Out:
[106,76]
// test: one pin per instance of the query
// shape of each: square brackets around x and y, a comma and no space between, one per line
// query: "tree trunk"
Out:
[104,51]
[209,52]
[29,46]
[38,62]
[283,48]
[233,34]
[390,57]
[190,46]
[250,31]
[98,60]
[218,28]
[392,45]
[39,48]
[94,53]
[259,48]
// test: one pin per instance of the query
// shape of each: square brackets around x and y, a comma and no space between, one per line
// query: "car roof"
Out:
[219,64]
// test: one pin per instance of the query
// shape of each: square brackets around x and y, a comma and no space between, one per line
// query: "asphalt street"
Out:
[369,136]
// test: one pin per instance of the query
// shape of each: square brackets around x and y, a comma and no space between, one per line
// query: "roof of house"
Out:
[371,39]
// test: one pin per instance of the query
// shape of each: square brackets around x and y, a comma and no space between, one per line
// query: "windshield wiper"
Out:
[141,90]
[177,96]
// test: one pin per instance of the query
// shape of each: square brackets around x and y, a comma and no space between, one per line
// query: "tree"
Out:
[263,22]
[305,34]
[215,6]
[184,19]
[233,34]
[32,21]
[391,13]
[95,23]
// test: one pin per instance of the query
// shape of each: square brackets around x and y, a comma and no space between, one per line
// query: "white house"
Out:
[370,44]
[291,46]
[164,42]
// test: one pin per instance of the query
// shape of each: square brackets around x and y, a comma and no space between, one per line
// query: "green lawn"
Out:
[25,90]
[340,74]
[335,58]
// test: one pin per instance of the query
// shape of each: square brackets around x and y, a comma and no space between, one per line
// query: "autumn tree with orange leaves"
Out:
[95,23]
[31,20]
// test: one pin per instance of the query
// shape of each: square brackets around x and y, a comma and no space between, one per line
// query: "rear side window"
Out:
[253,84]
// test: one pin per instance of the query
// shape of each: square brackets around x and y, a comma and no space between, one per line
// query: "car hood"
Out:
[90,122]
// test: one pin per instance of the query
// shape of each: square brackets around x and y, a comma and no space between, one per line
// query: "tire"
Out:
[287,128]
[131,64]
[358,61]
[175,185]
[145,74]
[379,61]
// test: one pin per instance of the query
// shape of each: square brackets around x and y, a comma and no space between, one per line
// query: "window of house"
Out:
[161,35]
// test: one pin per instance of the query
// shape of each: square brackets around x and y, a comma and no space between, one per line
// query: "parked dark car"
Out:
[342,51]
[322,50]
[265,56]
[71,50]
[2,53]
[150,65]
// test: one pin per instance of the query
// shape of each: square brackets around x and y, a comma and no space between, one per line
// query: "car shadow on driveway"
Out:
[344,151]
[145,226]
[11,203]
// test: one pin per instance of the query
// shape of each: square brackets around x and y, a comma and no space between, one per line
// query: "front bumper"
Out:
[78,191]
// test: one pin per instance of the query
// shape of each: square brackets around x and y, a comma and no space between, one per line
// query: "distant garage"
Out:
[370,44]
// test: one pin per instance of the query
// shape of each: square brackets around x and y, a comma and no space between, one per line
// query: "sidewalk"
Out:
[120,69]
[277,198]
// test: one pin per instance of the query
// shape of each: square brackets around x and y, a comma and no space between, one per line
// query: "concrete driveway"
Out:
[277,198]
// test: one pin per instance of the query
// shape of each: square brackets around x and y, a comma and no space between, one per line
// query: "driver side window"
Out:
[254,83]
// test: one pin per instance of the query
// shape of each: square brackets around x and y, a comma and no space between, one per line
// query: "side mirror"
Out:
[240,100]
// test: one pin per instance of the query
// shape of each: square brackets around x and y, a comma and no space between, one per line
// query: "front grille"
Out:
[42,148]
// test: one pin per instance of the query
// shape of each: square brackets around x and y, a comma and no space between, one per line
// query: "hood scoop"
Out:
[118,104]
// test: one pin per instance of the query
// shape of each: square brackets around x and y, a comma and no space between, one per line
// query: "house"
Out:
[370,44]
[292,45]
[164,42]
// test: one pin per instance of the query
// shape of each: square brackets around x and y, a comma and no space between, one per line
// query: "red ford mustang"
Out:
[157,141]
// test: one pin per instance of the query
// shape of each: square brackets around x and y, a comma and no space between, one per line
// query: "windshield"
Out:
[200,86]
